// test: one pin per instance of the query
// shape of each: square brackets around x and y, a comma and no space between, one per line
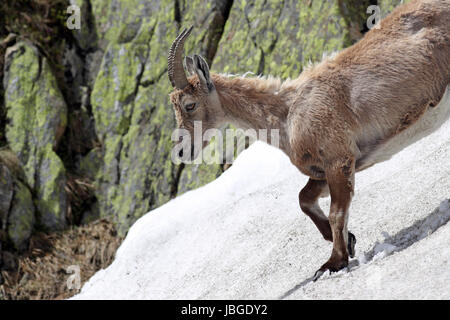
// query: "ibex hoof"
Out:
[321,271]
[318,274]
[332,265]
[351,244]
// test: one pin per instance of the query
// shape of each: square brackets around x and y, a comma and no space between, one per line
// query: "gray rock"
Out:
[37,116]
[6,194]
[21,217]
[17,212]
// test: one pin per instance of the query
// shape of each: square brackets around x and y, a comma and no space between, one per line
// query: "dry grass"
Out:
[41,272]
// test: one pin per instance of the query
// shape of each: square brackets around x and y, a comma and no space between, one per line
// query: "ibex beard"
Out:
[340,116]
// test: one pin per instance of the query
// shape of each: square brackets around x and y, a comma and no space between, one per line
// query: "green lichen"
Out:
[194,176]
[50,183]
[108,176]
[37,117]
[120,20]
[114,89]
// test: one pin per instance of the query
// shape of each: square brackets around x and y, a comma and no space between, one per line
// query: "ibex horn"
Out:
[177,76]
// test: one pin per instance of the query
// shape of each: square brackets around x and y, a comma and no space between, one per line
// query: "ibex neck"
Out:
[253,103]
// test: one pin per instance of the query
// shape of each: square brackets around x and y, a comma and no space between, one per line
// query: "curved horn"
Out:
[176,72]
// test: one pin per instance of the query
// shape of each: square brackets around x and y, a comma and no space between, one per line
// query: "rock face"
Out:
[37,116]
[90,130]
[133,117]
[17,211]
[267,37]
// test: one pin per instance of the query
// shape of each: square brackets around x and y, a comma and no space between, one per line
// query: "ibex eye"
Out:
[190,106]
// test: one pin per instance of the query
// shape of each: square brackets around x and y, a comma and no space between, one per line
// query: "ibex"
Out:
[340,116]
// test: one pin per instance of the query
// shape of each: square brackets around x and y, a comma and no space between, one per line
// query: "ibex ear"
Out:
[189,65]
[202,70]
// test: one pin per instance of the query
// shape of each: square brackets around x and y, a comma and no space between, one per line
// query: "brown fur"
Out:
[336,114]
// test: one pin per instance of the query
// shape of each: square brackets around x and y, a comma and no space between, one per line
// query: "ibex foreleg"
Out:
[308,198]
[340,178]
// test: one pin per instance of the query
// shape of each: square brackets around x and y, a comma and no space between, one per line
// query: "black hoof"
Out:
[317,275]
[322,270]
[351,245]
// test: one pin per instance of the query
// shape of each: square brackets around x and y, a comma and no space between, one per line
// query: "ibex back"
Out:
[340,116]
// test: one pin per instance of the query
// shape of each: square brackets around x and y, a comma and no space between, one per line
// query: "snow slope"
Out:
[243,236]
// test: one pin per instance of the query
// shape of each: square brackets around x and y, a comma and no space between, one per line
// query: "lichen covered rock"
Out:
[133,116]
[269,37]
[37,118]
[120,20]
[21,216]
[17,212]
[194,176]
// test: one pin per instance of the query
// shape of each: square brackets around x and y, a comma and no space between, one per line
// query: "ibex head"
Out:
[194,98]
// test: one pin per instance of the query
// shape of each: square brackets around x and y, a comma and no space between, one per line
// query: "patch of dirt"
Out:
[49,268]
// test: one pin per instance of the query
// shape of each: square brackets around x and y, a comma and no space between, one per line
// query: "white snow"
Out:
[243,236]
